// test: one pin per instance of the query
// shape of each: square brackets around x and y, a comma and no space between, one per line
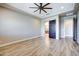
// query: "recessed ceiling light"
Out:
[47,13]
[62,7]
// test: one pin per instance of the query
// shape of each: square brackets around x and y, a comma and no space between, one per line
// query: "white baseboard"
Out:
[78,41]
[17,41]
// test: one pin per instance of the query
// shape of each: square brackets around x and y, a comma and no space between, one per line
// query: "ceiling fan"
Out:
[41,7]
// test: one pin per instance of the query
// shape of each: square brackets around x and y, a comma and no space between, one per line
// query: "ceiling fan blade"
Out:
[36,4]
[33,7]
[46,5]
[47,8]
[36,10]
[44,10]
[40,11]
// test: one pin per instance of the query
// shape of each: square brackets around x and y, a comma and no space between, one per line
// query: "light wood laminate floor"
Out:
[42,46]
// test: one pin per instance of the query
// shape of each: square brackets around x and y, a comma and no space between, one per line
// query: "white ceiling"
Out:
[58,8]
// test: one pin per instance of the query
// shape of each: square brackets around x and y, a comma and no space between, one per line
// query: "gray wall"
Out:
[18,25]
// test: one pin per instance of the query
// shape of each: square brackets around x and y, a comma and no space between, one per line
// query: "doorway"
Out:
[47,27]
[75,29]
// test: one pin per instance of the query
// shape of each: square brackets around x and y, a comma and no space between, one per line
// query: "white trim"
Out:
[17,41]
[78,41]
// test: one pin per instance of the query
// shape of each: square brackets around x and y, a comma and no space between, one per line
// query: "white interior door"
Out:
[68,23]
